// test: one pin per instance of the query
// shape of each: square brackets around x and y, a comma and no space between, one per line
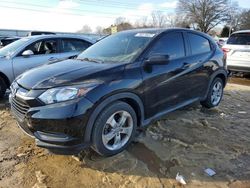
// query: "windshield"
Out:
[11,48]
[239,39]
[121,47]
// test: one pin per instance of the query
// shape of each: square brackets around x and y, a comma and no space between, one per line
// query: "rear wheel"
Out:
[215,94]
[114,129]
[3,88]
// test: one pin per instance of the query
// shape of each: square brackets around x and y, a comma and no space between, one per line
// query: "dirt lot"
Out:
[187,141]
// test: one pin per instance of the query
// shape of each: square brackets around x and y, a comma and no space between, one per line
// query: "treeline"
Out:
[203,15]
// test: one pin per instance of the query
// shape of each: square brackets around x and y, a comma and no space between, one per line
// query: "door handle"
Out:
[52,59]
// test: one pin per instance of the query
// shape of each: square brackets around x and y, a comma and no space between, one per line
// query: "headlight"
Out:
[56,95]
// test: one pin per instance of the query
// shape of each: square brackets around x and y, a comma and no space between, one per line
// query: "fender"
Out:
[215,74]
[104,103]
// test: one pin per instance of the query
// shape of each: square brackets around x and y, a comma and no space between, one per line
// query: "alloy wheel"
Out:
[117,130]
[216,93]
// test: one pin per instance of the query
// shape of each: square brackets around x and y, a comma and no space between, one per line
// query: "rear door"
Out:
[200,67]
[71,47]
[45,50]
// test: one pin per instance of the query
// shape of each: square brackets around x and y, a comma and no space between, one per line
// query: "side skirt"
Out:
[158,116]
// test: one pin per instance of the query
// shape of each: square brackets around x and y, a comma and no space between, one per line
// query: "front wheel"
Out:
[215,94]
[114,129]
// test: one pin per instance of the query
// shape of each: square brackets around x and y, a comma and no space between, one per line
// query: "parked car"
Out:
[222,41]
[8,40]
[32,33]
[1,38]
[237,50]
[30,52]
[117,86]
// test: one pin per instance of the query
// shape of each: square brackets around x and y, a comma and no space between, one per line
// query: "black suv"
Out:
[117,86]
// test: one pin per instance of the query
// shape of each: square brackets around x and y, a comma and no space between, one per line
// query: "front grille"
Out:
[19,108]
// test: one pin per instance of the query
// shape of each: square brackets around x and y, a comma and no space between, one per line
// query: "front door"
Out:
[44,51]
[165,84]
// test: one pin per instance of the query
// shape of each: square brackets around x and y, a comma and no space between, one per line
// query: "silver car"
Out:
[33,51]
[237,50]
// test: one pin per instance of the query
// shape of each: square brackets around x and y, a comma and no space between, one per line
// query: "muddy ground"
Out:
[186,141]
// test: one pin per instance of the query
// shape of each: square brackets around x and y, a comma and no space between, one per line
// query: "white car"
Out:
[237,50]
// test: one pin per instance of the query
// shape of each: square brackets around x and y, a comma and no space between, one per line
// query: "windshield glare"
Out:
[121,47]
[12,47]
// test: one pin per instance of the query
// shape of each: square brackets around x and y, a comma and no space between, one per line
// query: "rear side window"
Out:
[71,45]
[198,44]
[170,44]
[239,39]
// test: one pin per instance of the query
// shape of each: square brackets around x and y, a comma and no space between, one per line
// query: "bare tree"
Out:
[205,13]
[182,21]
[120,20]
[120,23]
[99,30]
[235,17]
[158,19]
[85,29]
[142,23]
[245,19]
[173,20]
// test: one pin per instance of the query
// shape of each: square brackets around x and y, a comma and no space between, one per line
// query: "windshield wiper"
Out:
[91,60]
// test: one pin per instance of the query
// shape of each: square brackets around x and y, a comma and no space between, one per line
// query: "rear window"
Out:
[239,39]
[71,45]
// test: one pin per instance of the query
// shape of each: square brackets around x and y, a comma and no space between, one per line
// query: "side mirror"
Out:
[158,59]
[27,53]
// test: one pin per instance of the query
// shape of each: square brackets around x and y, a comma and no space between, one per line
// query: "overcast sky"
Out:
[71,15]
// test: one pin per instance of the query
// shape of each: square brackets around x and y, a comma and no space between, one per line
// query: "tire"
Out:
[3,88]
[210,101]
[109,124]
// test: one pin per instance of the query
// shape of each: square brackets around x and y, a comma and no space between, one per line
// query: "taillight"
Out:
[226,50]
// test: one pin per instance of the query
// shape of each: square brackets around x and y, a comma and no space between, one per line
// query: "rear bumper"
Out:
[237,65]
[238,68]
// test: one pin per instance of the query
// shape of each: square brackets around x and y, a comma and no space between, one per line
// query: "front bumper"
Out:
[58,127]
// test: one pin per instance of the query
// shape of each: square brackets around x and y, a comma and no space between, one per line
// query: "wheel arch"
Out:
[222,77]
[221,73]
[5,78]
[132,99]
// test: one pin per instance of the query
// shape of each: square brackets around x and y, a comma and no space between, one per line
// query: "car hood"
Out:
[68,72]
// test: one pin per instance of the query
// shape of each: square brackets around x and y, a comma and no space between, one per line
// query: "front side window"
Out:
[71,45]
[121,47]
[43,47]
[198,44]
[170,44]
